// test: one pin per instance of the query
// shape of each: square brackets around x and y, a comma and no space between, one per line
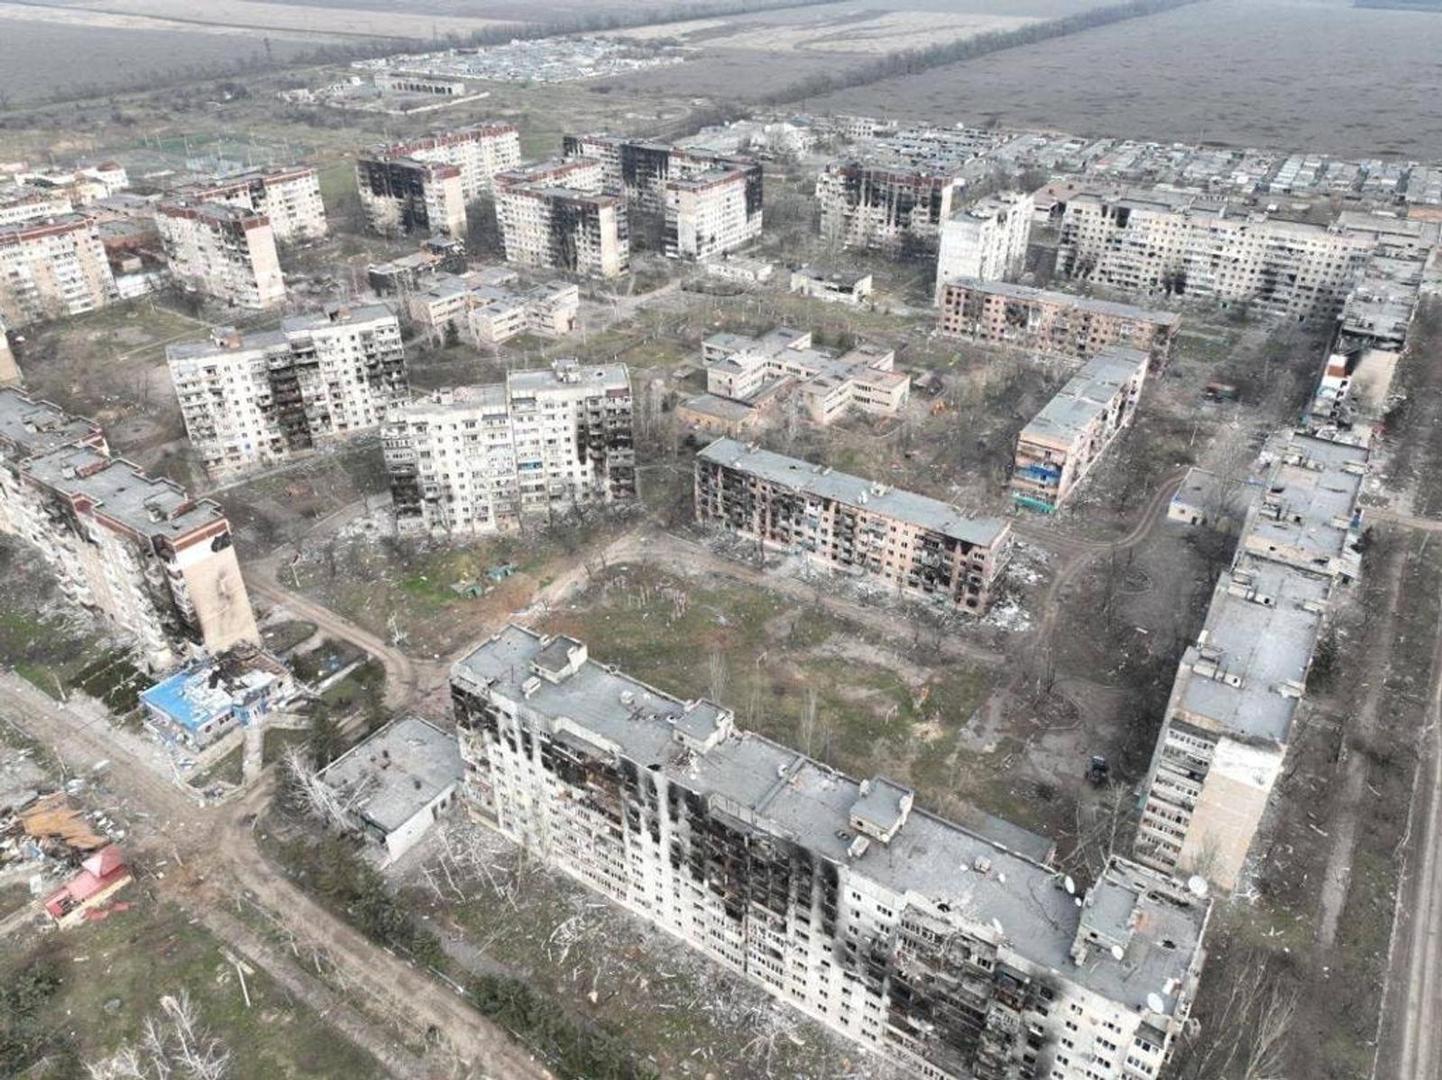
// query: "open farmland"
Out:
[317,21]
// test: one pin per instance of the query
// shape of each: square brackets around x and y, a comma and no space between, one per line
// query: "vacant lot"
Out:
[827,30]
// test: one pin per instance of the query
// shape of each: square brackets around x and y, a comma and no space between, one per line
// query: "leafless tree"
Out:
[807,730]
[317,797]
[717,675]
[174,1045]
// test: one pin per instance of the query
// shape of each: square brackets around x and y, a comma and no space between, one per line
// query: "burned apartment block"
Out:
[1184,246]
[404,197]
[709,204]
[1056,450]
[955,952]
[999,313]
[157,562]
[477,152]
[985,241]
[483,459]
[50,269]
[251,400]
[1229,719]
[221,251]
[894,207]
[288,197]
[558,216]
[487,307]
[919,546]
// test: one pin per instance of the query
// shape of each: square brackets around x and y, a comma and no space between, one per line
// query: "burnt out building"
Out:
[894,207]
[955,951]
[404,197]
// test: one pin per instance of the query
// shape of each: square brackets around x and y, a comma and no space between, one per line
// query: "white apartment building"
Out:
[1156,243]
[486,308]
[477,153]
[80,186]
[1056,450]
[222,251]
[9,370]
[985,241]
[258,399]
[953,952]
[1229,719]
[556,216]
[710,214]
[482,459]
[402,196]
[156,561]
[22,202]
[49,269]
[289,198]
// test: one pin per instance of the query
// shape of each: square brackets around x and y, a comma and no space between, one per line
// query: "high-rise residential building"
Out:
[288,197]
[478,153]
[891,207]
[401,196]
[557,216]
[156,561]
[952,951]
[921,547]
[1056,450]
[710,214]
[1229,719]
[1161,243]
[20,203]
[985,241]
[1000,313]
[9,370]
[485,458]
[222,251]
[49,269]
[256,399]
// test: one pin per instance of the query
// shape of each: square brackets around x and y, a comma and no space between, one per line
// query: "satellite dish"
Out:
[1077,900]
[1118,952]
[1197,886]
[1155,1003]
[1070,885]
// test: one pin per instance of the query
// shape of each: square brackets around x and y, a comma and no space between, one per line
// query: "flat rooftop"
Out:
[1081,303]
[396,773]
[1308,502]
[119,490]
[773,790]
[855,491]
[34,427]
[1087,395]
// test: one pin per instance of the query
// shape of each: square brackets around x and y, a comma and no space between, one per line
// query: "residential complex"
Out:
[404,197]
[485,458]
[289,199]
[985,241]
[953,952]
[20,203]
[1056,450]
[557,216]
[222,251]
[999,313]
[49,269]
[1229,720]
[892,207]
[257,399]
[477,153]
[760,373]
[908,542]
[157,562]
[1158,243]
[486,307]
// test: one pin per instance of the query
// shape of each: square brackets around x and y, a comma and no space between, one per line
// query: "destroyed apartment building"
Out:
[486,458]
[985,241]
[257,399]
[223,251]
[157,562]
[52,268]
[487,307]
[213,695]
[558,215]
[953,951]
[917,546]
[288,197]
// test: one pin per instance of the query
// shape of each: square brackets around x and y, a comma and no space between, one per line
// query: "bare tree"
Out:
[717,675]
[313,794]
[174,1045]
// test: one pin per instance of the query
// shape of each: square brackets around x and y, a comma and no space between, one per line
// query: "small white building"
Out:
[840,286]
[397,783]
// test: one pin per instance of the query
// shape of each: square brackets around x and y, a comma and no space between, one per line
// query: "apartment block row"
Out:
[758,374]
[1000,313]
[288,198]
[487,307]
[53,268]
[487,458]
[1233,705]
[985,241]
[951,951]
[1059,446]
[558,215]
[257,399]
[425,185]
[157,562]
[918,546]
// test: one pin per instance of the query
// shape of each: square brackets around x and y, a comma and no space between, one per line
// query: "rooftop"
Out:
[1087,394]
[396,773]
[30,427]
[213,686]
[1308,504]
[120,491]
[825,483]
[1081,303]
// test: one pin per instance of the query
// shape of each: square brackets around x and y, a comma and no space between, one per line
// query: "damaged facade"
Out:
[558,216]
[222,251]
[480,459]
[954,952]
[49,269]
[985,241]
[289,198]
[488,307]
[890,207]
[157,562]
[213,695]
[914,544]
[424,186]
[258,399]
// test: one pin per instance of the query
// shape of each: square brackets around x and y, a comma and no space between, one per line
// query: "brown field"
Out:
[875,32]
[314,21]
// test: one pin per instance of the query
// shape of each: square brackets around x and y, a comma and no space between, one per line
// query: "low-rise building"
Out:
[156,561]
[397,783]
[102,874]
[487,458]
[916,545]
[212,695]
[50,269]
[251,400]
[741,268]
[406,274]
[1056,450]
[288,197]
[953,951]
[999,313]
[985,241]
[222,251]
[832,284]
[486,307]
[557,216]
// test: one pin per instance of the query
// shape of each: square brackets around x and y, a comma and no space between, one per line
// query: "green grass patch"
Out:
[230,769]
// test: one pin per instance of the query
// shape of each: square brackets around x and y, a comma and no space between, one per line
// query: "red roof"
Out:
[98,873]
